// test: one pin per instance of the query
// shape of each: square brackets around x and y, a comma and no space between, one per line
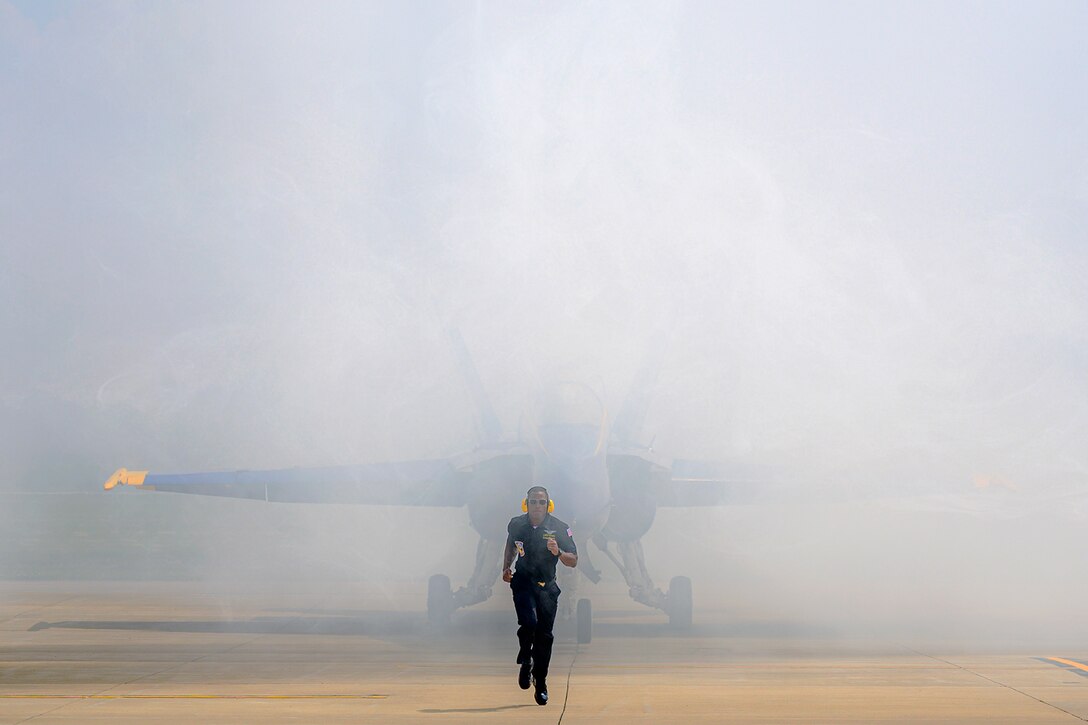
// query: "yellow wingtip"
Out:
[123,476]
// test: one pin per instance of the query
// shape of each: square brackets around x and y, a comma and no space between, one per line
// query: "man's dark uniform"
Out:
[536,595]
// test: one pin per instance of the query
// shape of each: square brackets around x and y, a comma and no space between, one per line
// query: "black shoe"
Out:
[523,675]
[541,694]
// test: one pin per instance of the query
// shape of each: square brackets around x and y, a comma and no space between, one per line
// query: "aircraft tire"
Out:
[680,603]
[439,599]
[584,618]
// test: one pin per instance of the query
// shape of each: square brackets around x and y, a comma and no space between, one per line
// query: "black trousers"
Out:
[536,607]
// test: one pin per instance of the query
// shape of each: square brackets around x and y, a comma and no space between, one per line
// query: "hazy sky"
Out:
[231,234]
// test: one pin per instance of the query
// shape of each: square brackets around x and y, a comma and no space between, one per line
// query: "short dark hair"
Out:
[537,488]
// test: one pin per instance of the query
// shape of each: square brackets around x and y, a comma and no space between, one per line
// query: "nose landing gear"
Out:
[584,621]
[439,599]
[678,604]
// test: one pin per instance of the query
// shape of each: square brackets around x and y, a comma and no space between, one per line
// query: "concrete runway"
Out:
[185,652]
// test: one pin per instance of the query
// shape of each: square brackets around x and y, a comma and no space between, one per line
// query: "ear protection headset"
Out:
[525,505]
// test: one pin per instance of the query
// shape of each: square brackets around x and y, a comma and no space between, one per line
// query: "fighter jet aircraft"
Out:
[607,483]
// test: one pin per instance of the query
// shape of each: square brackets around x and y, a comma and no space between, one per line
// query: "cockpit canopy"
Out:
[569,421]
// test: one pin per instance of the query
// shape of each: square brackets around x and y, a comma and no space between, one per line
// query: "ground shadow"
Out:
[477,709]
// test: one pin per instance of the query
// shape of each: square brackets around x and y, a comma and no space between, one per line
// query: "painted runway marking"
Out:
[1083,668]
[1000,684]
[193,697]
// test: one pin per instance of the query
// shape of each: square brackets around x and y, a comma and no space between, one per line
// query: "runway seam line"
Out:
[566,692]
[15,616]
[63,704]
[1002,684]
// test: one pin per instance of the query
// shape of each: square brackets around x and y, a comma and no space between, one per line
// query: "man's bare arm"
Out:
[507,561]
[569,559]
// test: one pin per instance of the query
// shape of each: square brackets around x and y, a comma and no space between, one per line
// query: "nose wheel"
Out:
[679,603]
[584,620]
[439,599]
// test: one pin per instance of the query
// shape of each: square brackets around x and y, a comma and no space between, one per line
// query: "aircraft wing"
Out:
[434,482]
[713,483]
[429,482]
[682,482]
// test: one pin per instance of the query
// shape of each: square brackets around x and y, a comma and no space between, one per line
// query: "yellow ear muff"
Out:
[525,505]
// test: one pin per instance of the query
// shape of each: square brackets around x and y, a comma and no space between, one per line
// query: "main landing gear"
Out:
[632,564]
[442,601]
